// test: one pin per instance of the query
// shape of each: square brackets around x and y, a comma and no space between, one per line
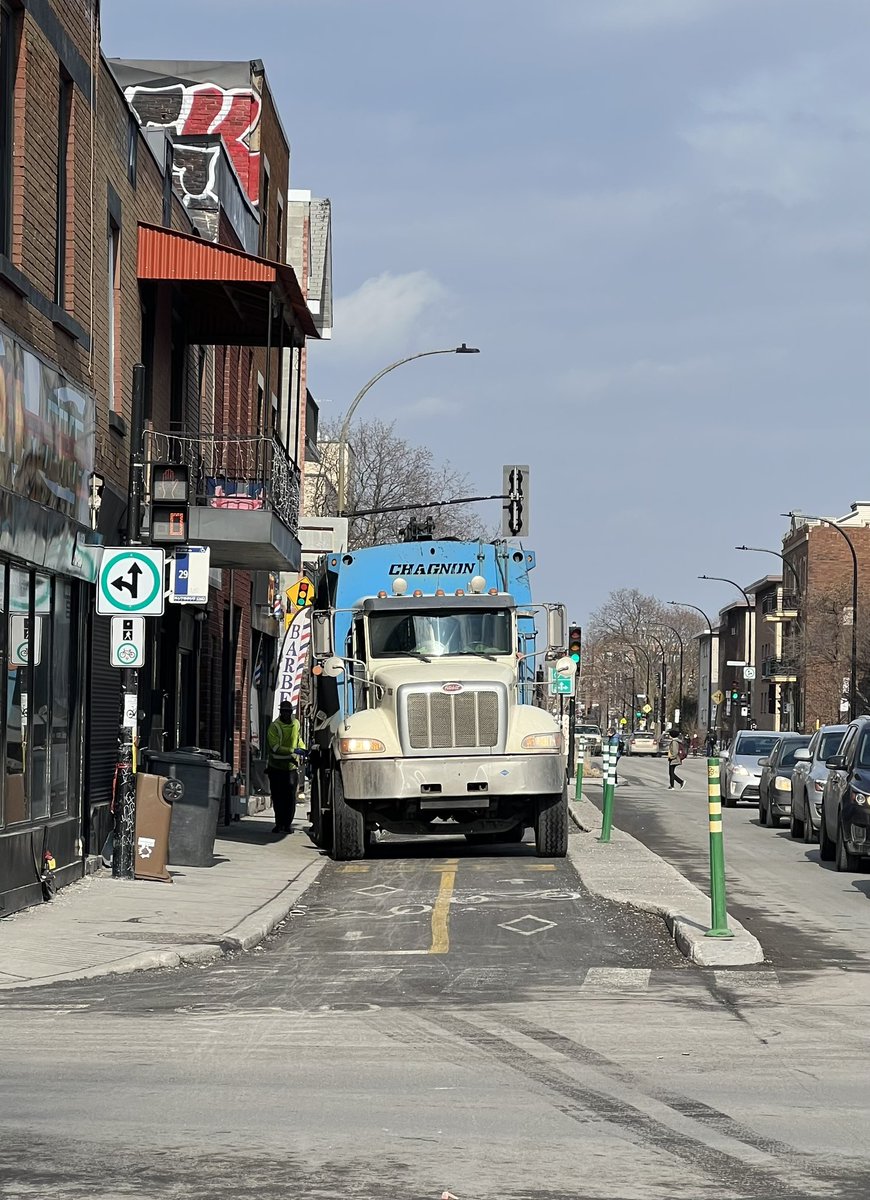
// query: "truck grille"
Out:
[463,721]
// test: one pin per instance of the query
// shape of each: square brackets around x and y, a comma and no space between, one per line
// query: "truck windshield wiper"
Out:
[481,654]
[418,654]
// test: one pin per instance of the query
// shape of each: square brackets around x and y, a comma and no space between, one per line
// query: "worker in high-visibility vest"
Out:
[284,743]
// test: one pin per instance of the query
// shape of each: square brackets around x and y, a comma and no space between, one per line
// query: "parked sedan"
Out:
[808,781]
[774,788]
[844,829]
[643,741]
[740,773]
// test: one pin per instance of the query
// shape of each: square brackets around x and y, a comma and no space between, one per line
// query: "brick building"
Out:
[123,242]
[76,176]
[818,635]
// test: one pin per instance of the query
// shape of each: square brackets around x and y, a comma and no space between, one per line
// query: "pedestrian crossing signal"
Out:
[574,643]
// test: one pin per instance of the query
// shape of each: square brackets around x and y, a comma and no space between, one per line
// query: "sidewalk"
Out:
[103,926]
[626,871]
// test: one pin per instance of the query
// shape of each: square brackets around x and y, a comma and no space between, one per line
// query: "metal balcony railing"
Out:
[233,471]
[774,667]
[774,604]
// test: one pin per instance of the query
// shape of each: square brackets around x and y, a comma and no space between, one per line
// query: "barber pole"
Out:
[291,660]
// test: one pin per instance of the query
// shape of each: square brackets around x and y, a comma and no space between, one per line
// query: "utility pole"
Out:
[125,784]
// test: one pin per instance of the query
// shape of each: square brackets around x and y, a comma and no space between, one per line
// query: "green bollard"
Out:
[609,787]
[578,782]
[719,915]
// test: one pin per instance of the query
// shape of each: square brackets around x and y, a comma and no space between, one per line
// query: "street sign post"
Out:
[25,644]
[718,697]
[131,582]
[128,642]
[561,684]
[748,673]
[188,575]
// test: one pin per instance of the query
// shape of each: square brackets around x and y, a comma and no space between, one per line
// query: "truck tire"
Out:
[348,825]
[321,822]
[551,826]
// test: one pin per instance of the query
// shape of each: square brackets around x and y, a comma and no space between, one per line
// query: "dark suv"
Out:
[844,828]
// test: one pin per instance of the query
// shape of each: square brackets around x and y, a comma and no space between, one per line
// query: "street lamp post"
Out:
[663,691]
[677,604]
[853,667]
[750,637]
[676,633]
[776,554]
[345,425]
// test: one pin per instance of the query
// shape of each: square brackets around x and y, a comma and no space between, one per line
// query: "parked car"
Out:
[592,734]
[774,787]
[644,741]
[844,828]
[808,781]
[740,774]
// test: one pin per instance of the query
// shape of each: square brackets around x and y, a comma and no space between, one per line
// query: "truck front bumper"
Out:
[436,782]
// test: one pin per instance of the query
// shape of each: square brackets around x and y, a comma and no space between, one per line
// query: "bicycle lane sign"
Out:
[131,581]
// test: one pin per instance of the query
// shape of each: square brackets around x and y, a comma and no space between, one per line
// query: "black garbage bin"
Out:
[195,814]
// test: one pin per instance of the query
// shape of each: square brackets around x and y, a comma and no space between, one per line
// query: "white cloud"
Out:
[384,311]
[644,379]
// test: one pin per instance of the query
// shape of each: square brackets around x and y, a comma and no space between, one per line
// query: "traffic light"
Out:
[735,696]
[170,504]
[638,715]
[574,643]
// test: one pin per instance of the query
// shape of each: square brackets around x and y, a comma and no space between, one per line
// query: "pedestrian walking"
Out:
[711,743]
[284,743]
[675,757]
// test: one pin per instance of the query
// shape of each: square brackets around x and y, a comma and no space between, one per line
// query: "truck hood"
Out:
[443,670]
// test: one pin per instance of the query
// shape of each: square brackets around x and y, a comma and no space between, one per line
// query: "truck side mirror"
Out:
[557,627]
[321,634]
[333,667]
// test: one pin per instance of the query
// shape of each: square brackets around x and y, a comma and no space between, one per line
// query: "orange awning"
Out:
[227,291]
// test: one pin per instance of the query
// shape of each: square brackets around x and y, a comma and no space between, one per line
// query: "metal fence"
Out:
[233,471]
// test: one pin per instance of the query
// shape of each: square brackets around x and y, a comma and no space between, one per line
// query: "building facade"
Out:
[145,227]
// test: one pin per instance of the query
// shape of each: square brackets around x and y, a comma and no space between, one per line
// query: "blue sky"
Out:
[653,217]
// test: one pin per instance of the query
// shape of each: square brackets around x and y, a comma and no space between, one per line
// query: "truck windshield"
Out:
[435,634]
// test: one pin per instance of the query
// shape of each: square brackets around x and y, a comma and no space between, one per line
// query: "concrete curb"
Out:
[626,871]
[246,934]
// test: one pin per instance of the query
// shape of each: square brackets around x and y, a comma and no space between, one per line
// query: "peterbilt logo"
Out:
[466,568]
[452,688]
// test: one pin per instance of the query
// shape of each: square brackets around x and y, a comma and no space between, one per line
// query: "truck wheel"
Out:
[551,826]
[321,822]
[348,826]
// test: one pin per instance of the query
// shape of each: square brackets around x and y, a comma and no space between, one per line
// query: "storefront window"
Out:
[17,674]
[39,711]
[63,722]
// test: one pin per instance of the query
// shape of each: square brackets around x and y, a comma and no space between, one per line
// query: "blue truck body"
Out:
[435,564]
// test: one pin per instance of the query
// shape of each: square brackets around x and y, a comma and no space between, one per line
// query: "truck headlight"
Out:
[781,784]
[542,741]
[361,746]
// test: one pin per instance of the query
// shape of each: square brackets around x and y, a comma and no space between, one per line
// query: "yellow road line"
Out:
[441,914]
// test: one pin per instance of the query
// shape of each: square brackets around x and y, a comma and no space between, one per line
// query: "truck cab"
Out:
[428,732]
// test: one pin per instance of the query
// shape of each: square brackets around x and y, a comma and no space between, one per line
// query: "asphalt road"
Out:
[440,1018]
[804,912]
